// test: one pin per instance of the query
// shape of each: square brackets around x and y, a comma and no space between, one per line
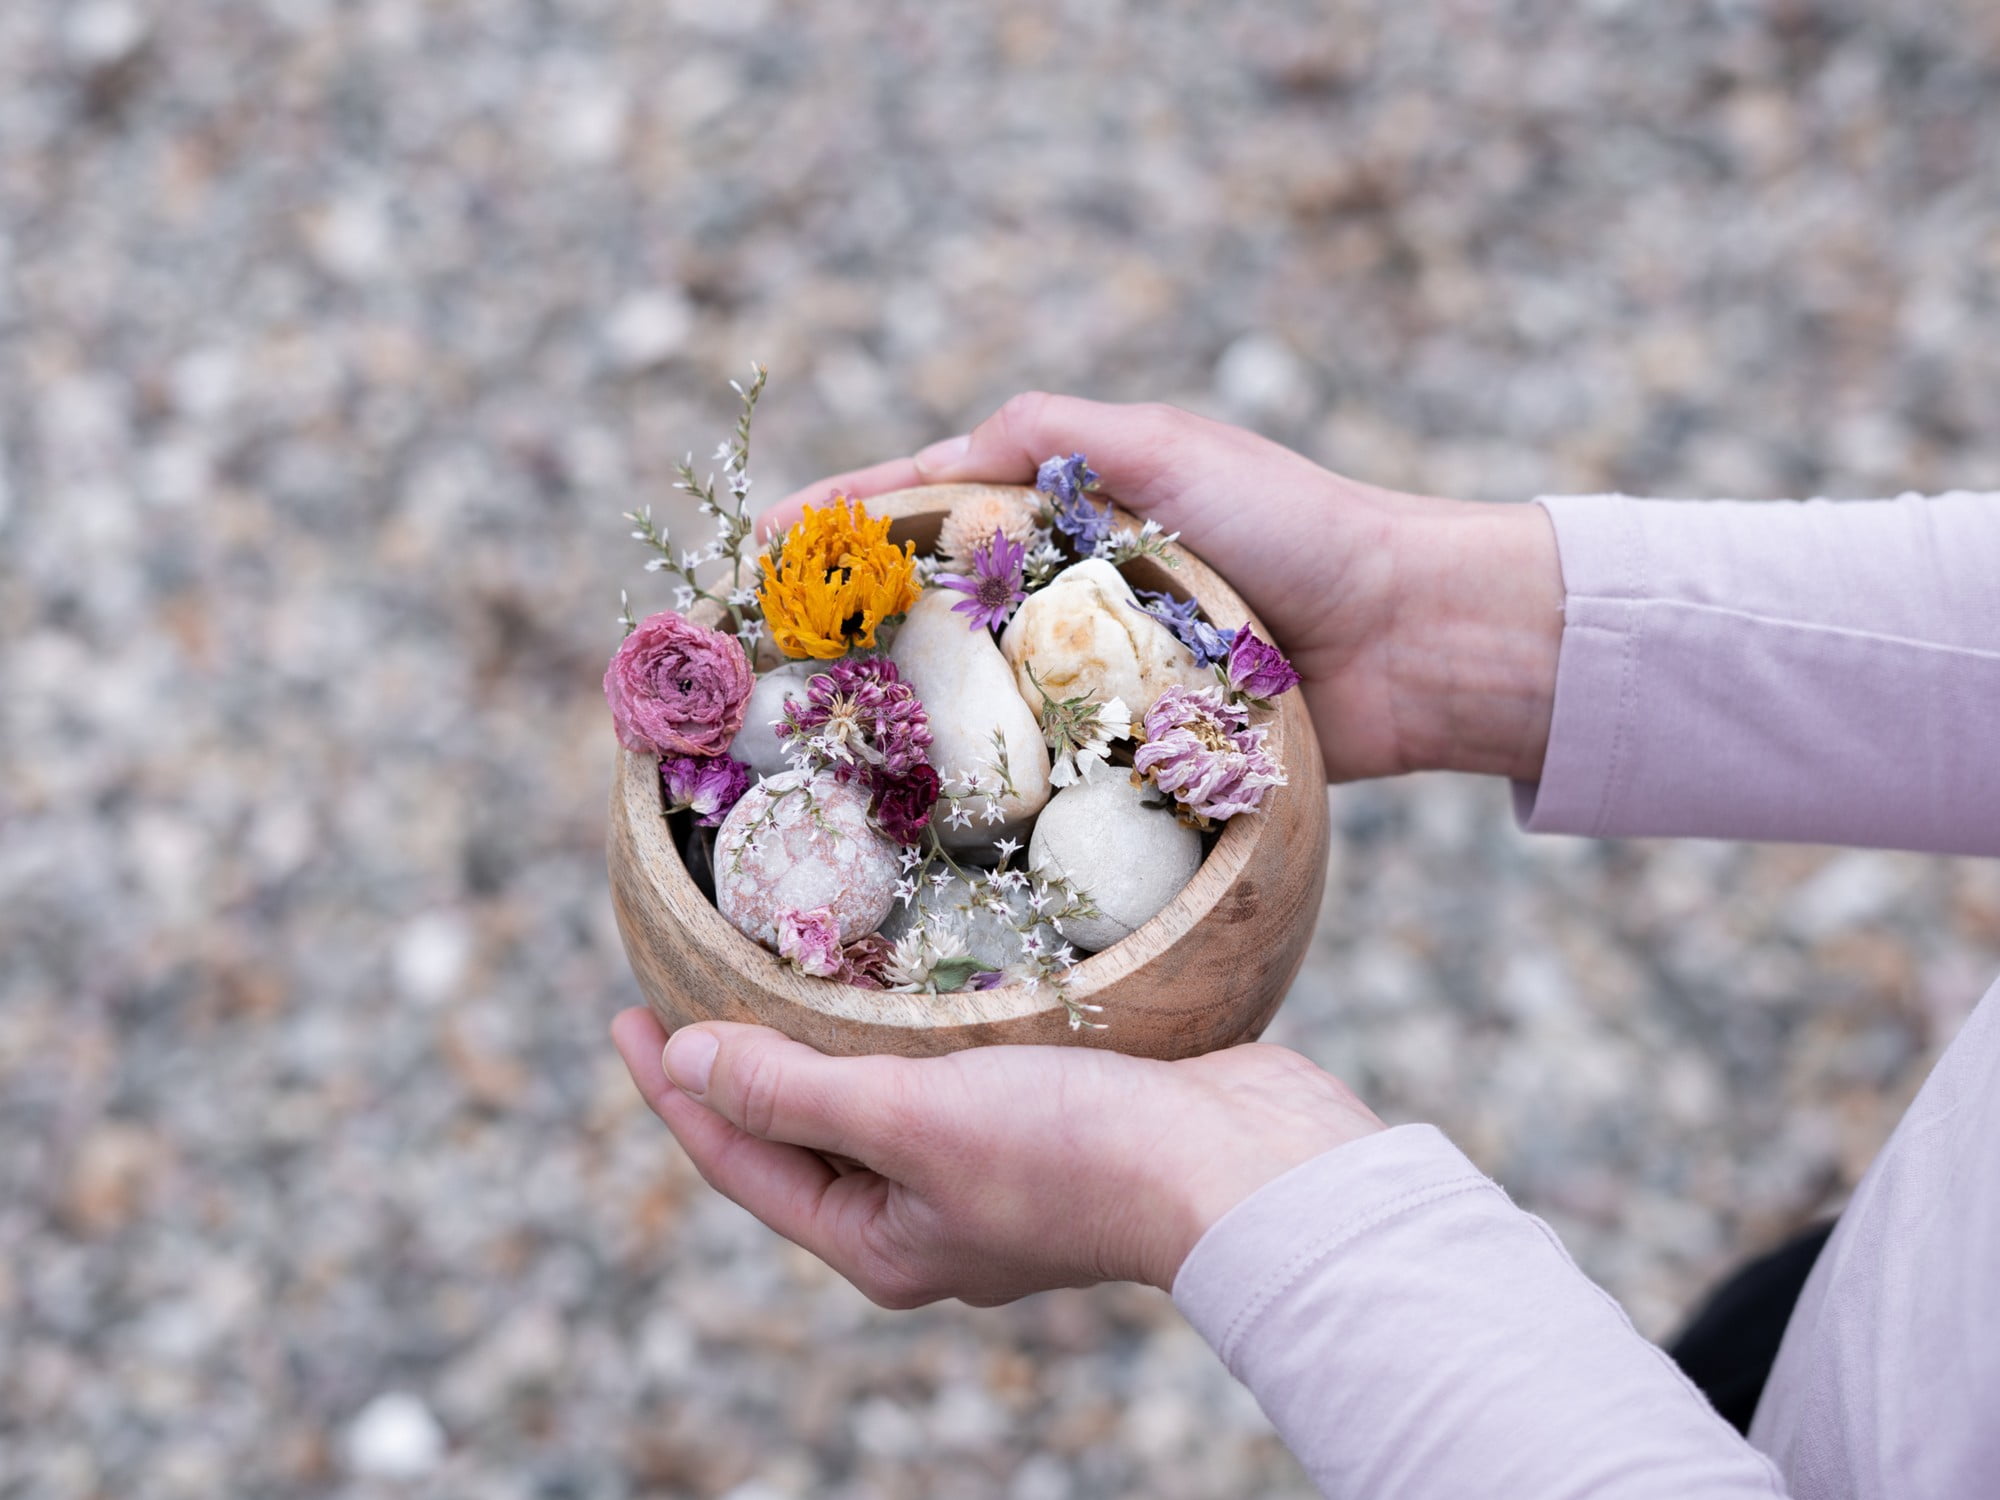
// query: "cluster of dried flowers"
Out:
[832,590]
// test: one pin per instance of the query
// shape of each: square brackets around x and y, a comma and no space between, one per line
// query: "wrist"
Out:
[1476,637]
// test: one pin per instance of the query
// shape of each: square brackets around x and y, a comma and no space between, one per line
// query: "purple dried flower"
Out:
[1258,670]
[860,717]
[903,804]
[1067,482]
[993,587]
[1201,751]
[705,785]
[987,979]
[1209,643]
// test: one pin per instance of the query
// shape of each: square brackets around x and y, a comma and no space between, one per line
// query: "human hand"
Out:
[990,1173]
[1425,630]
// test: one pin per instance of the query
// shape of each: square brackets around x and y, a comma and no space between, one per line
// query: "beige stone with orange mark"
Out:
[1085,633]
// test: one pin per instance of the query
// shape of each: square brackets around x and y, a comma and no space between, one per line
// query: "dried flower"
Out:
[860,718]
[1200,751]
[677,688]
[836,577]
[1068,482]
[1079,731]
[1256,669]
[865,961]
[810,941]
[993,587]
[1209,643]
[969,523]
[903,805]
[707,786]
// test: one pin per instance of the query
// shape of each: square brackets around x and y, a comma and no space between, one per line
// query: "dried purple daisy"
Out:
[1068,482]
[994,585]
[1209,643]
[859,718]
[1258,670]
[1201,751]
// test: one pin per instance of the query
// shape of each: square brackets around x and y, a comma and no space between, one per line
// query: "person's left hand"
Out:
[989,1173]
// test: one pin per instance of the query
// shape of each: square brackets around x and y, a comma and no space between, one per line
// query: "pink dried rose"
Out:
[707,786]
[1200,751]
[1256,669]
[811,941]
[677,688]
[866,961]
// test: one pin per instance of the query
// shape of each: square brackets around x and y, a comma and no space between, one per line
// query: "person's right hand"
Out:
[1425,630]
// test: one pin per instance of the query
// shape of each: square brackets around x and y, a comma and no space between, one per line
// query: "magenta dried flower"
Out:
[707,786]
[860,718]
[1200,751]
[810,940]
[903,805]
[993,587]
[1257,669]
[677,688]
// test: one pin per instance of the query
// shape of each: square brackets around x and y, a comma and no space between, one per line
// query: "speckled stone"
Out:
[1129,855]
[786,847]
[1085,633]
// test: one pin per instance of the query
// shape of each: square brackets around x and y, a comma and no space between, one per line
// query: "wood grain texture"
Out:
[1206,972]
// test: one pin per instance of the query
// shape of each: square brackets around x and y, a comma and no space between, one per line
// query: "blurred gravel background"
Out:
[335,336]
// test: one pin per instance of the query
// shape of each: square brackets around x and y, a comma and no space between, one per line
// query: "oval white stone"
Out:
[968,690]
[757,744]
[1129,856]
[790,845]
[1085,633]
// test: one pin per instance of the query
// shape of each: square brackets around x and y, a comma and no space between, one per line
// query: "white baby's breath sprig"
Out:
[1125,545]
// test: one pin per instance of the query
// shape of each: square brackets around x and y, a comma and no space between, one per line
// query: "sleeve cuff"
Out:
[1292,1225]
[1607,571]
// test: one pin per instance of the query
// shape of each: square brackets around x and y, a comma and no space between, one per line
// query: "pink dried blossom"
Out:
[862,719]
[865,962]
[1200,751]
[811,941]
[677,688]
[705,786]
[1258,670]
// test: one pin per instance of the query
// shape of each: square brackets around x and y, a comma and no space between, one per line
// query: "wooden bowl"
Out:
[1208,971]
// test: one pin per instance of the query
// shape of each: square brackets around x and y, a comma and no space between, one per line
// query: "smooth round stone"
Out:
[757,744]
[1129,856]
[988,937]
[794,850]
[1085,633]
[968,690]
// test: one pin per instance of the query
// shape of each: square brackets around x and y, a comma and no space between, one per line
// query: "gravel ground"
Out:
[335,336]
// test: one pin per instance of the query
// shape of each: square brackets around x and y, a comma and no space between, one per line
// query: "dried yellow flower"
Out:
[836,577]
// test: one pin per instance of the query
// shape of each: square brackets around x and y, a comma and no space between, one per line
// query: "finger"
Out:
[794,1191]
[857,484]
[1131,447]
[781,1090]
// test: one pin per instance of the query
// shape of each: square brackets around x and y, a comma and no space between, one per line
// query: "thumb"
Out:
[1131,447]
[777,1089]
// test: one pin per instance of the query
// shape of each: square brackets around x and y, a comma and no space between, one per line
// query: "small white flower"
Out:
[742,598]
[1031,944]
[692,560]
[724,455]
[906,890]
[911,856]
[942,879]
[959,817]
[1008,848]
[750,632]
[994,813]
[655,564]
[683,598]
[1038,901]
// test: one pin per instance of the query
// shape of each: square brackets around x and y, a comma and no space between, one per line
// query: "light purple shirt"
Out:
[1823,672]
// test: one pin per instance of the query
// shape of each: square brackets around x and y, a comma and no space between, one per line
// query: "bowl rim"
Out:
[913,512]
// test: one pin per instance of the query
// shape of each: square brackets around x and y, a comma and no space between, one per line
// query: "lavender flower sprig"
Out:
[1068,483]
[1209,643]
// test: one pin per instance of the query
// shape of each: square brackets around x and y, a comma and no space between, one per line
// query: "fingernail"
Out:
[689,1059]
[945,455]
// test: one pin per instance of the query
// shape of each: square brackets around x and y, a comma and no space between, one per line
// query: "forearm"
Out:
[1411,1333]
[1819,672]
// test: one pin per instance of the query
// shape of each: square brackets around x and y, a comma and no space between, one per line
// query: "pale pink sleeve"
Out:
[1820,672]
[1411,1333]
